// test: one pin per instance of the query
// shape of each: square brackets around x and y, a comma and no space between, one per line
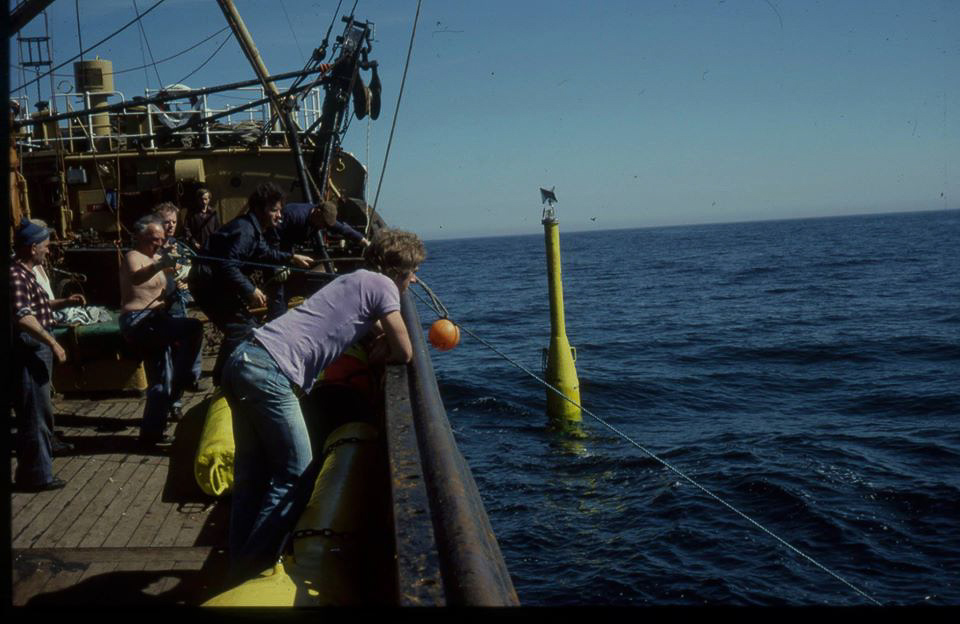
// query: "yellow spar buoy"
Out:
[561,372]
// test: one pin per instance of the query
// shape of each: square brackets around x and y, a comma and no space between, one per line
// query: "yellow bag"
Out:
[213,466]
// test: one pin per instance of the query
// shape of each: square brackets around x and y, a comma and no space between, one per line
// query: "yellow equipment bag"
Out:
[323,569]
[213,467]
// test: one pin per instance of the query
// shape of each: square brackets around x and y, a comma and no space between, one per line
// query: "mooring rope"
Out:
[442,312]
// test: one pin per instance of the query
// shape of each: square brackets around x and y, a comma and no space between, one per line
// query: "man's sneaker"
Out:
[53,484]
[151,441]
[59,446]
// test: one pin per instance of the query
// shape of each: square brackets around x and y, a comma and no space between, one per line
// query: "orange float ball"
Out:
[444,335]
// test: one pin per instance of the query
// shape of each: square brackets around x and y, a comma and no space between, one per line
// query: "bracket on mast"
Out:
[549,212]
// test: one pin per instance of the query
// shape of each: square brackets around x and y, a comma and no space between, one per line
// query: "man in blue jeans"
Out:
[167,344]
[264,376]
[33,349]
[176,291]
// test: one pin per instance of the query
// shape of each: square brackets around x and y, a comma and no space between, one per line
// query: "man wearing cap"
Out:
[33,351]
[299,224]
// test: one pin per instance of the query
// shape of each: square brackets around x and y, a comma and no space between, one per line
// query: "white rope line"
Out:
[654,456]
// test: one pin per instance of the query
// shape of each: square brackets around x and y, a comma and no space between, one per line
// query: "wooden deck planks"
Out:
[117,509]
[193,523]
[108,483]
[26,506]
[145,494]
[55,501]
[97,568]
[27,585]
[73,499]
[78,509]
[111,518]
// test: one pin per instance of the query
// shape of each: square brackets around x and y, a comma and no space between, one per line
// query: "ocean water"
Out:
[806,371]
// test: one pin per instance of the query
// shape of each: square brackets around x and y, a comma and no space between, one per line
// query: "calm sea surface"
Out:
[806,371]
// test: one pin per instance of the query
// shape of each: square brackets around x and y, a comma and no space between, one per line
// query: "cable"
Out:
[107,38]
[290,24]
[442,312]
[76,5]
[169,58]
[147,41]
[396,112]
[209,58]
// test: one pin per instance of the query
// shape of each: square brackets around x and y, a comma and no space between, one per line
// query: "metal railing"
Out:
[93,132]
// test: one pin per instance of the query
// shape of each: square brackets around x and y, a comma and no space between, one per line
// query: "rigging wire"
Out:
[143,33]
[82,51]
[143,58]
[292,32]
[209,58]
[169,58]
[76,5]
[442,312]
[396,112]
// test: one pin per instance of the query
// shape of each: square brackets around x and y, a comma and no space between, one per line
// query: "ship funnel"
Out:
[94,80]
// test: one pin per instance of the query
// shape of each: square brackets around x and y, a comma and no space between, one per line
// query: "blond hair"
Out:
[394,252]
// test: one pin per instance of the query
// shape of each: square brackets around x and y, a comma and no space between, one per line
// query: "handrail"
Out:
[30,141]
[471,563]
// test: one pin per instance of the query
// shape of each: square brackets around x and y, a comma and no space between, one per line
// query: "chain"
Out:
[341,442]
[302,533]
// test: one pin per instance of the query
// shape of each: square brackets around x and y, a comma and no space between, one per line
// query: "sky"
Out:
[639,113]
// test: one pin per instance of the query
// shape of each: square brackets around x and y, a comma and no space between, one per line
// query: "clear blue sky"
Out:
[641,113]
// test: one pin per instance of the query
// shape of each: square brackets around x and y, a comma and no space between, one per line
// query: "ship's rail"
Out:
[468,558]
[147,126]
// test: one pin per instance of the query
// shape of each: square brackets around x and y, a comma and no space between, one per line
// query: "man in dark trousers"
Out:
[299,225]
[222,288]
[33,349]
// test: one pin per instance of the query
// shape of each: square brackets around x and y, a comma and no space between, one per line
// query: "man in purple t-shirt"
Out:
[264,376]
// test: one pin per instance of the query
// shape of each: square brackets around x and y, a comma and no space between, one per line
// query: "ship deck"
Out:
[131,527]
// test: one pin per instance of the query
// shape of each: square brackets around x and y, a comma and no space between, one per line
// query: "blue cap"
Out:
[29,233]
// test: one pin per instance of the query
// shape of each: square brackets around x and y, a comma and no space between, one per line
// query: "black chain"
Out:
[341,442]
[321,533]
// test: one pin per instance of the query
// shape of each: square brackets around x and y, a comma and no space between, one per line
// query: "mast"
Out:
[279,108]
[355,47]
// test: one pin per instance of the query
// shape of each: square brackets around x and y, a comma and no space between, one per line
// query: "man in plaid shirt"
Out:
[33,350]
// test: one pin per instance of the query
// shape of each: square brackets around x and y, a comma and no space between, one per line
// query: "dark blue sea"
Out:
[805,371]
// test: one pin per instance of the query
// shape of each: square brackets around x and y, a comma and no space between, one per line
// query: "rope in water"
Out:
[442,312]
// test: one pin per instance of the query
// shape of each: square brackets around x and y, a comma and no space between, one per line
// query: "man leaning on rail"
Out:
[33,350]
[265,376]
[219,280]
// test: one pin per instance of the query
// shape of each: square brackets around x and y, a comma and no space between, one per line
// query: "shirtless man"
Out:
[177,292]
[168,345]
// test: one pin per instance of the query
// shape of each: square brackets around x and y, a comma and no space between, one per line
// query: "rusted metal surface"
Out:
[473,569]
[418,567]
